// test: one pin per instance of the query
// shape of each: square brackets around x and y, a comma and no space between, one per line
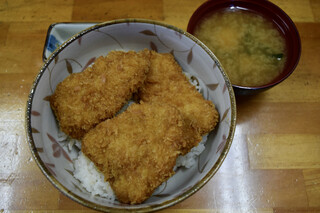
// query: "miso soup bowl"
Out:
[271,12]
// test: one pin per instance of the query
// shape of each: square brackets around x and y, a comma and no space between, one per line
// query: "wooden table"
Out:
[274,161]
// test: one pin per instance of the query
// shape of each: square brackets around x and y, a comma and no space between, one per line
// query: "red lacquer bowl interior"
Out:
[269,11]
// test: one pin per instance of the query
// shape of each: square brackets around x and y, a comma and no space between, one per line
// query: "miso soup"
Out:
[249,47]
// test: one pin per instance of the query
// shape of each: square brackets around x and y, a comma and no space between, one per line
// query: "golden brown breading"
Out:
[137,149]
[84,99]
[166,83]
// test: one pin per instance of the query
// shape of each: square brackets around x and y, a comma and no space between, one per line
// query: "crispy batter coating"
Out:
[137,149]
[166,83]
[85,99]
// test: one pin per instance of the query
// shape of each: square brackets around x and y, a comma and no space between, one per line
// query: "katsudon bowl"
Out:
[55,154]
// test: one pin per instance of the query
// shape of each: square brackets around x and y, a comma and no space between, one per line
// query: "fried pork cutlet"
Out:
[166,83]
[137,149]
[85,99]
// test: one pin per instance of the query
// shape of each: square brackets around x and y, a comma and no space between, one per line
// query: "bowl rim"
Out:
[150,208]
[262,4]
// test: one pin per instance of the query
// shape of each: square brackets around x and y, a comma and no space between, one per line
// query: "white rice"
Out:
[189,159]
[93,180]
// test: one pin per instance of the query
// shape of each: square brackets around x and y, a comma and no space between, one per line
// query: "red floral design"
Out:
[212,86]
[47,98]
[224,88]
[148,33]
[35,113]
[200,169]
[190,56]
[225,114]
[79,40]
[222,144]
[57,149]
[50,167]
[153,46]
[34,130]
[91,60]
[69,67]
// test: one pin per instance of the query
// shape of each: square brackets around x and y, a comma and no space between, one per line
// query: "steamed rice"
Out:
[189,159]
[93,180]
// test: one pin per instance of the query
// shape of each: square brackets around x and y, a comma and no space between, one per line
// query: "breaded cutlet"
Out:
[84,99]
[166,83]
[137,149]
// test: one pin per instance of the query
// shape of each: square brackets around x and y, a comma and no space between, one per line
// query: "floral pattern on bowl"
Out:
[81,50]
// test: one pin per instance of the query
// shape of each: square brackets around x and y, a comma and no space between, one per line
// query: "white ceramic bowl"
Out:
[55,160]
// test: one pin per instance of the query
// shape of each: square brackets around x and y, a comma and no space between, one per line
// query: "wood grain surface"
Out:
[274,161]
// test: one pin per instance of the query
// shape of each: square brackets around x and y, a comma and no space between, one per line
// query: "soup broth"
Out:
[250,48]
